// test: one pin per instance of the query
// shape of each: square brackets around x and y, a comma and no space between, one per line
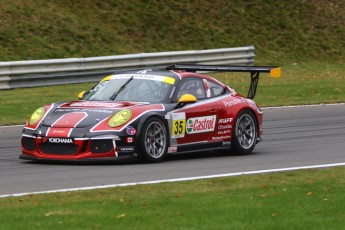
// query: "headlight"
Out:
[120,118]
[37,115]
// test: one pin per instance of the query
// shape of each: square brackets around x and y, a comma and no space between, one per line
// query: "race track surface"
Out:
[293,137]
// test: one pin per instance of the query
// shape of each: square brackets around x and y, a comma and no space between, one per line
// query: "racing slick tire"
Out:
[153,141]
[244,133]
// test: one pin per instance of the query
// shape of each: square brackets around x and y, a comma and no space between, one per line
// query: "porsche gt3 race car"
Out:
[148,114]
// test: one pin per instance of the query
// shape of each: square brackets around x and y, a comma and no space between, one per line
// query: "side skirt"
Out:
[204,147]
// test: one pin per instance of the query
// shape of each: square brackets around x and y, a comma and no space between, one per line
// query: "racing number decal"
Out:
[178,125]
[178,128]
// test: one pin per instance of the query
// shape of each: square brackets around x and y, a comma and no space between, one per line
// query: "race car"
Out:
[149,113]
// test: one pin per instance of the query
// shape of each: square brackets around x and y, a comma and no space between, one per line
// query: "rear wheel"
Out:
[244,133]
[153,141]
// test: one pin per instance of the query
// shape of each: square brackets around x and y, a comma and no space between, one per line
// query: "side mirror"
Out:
[185,99]
[81,95]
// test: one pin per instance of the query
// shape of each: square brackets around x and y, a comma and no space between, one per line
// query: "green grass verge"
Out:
[280,30]
[304,199]
[17,105]
[300,83]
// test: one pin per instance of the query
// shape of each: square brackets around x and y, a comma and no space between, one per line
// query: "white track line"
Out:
[301,106]
[11,126]
[177,179]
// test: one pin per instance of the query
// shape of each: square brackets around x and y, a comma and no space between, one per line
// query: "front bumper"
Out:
[105,148]
[24,156]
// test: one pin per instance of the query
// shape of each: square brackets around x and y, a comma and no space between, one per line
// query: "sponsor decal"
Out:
[67,110]
[178,125]
[60,140]
[225,120]
[220,127]
[233,102]
[142,75]
[201,124]
[95,104]
[226,143]
[172,149]
[221,137]
[129,139]
[130,130]
[59,132]
[224,132]
[126,149]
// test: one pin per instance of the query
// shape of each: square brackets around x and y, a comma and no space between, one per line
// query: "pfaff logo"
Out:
[201,124]
[225,120]
[60,140]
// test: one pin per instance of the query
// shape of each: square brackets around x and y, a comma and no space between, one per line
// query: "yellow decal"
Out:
[169,80]
[178,128]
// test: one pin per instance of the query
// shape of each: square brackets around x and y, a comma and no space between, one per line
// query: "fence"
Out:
[18,74]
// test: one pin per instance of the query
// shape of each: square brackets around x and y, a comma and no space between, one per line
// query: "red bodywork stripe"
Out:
[70,119]
[65,124]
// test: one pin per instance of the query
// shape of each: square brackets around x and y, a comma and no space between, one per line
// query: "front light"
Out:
[37,115]
[120,118]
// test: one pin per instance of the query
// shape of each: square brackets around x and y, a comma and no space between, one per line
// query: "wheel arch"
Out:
[238,143]
[144,145]
[148,116]
[252,111]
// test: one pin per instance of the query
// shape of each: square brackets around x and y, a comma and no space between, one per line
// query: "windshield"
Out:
[131,88]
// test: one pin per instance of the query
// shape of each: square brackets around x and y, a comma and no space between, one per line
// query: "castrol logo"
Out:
[201,124]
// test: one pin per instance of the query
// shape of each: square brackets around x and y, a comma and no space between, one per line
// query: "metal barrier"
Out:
[19,74]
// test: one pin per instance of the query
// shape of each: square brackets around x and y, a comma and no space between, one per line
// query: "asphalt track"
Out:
[294,137]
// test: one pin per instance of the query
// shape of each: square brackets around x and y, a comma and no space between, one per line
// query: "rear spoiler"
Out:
[254,71]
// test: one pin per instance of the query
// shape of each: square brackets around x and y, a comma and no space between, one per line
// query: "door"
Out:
[193,123]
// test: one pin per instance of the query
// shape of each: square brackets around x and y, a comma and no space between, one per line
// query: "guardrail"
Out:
[19,74]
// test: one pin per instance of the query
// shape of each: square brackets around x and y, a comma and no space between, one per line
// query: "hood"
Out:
[83,113]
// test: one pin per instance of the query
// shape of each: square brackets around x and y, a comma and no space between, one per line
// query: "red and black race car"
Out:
[149,113]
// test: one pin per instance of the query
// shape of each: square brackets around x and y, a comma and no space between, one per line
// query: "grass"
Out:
[300,83]
[280,30]
[305,199]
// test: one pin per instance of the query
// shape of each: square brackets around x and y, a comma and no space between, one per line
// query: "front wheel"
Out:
[153,143]
[244,133]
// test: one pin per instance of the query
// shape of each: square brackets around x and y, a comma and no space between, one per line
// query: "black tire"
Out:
[153,141]
[244,135]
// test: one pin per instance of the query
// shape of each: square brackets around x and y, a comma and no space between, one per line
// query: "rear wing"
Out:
[254,71]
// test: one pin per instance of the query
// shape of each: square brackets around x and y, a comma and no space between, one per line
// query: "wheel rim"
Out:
[155,140]
[246,131]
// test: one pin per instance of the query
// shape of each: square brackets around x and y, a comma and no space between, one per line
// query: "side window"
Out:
[216,89]
[192,86]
